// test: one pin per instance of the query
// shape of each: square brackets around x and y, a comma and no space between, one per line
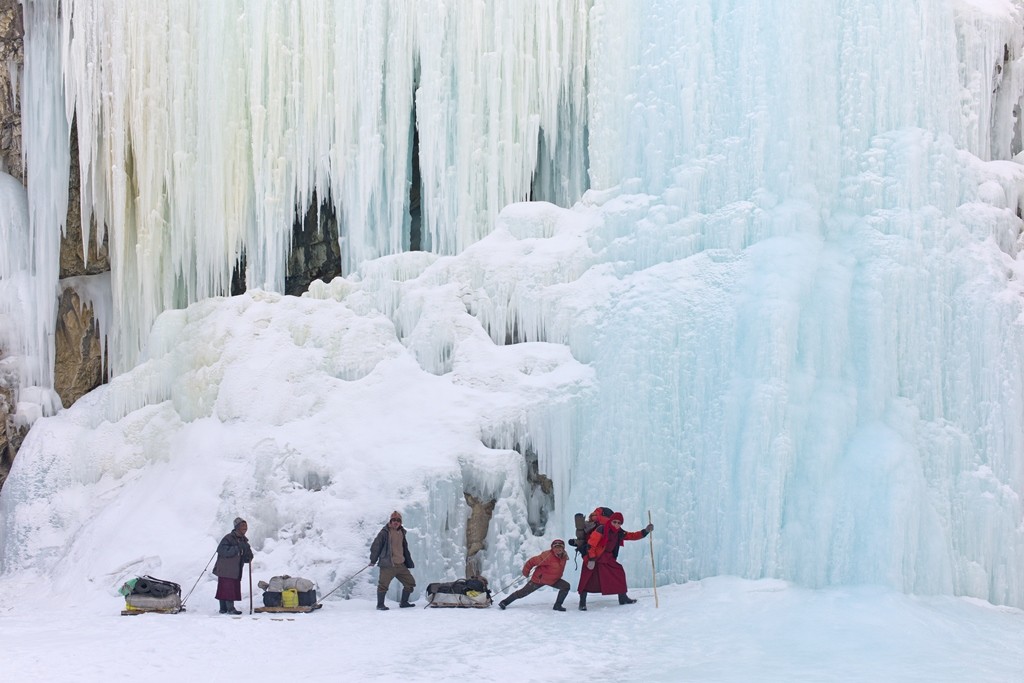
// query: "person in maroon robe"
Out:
[602,572]
[233,553]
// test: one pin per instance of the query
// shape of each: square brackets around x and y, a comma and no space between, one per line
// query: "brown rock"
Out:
[76,258]
[315,254]
[11,53]
[11,436]
[79,357]
[476,531]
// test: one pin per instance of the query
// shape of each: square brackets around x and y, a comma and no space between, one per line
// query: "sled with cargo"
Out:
[149,595]
[460,593]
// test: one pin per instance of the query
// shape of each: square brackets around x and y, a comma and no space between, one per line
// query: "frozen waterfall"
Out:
[775,298]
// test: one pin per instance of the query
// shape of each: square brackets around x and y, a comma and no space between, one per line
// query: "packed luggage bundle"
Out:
[471,592]
[288,594]
[147,594]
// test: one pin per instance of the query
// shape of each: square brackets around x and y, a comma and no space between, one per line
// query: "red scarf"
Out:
[612,537]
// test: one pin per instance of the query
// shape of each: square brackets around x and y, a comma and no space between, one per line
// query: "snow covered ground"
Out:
[721,629]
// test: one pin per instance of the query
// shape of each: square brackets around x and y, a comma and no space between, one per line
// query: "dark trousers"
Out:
[401,573]
[562,585]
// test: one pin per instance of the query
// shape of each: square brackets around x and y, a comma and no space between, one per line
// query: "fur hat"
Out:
[395,515]
[239,522]
[557,541]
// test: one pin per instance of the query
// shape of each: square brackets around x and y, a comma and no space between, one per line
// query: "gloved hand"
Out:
[650,528]
[526,573]
[590,564]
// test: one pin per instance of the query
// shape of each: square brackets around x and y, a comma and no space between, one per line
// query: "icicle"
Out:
[206,128]
[47,159]
[16,281]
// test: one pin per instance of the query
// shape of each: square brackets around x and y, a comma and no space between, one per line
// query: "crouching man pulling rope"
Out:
[547,571]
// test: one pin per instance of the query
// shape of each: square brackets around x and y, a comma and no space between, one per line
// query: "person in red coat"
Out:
[547,571]
[602,572]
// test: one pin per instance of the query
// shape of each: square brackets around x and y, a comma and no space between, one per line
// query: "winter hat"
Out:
[557,542]
[396,515]
[616,516]
[238,522]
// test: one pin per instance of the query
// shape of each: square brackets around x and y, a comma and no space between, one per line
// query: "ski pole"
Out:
[250,587]
[346,581]
[197,580]
[654,574]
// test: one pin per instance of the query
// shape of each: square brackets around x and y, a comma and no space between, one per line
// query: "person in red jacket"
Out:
[547,571]
[602,572]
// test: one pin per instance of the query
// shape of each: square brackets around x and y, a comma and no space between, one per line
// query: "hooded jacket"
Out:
[381,549]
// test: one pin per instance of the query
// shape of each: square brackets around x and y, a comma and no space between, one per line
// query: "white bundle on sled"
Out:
[287,592]
[461,593]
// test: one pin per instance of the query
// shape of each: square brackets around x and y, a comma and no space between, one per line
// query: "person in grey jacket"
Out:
[391,551]
[232,554]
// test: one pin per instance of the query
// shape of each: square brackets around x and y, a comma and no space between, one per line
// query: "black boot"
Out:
[223,607]
[559,600]
[380,602]
[230,607]
[583,602]
[625,599]
[505,603]
[405,599]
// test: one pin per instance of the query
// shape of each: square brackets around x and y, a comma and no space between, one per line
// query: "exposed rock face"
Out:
[11,436]
[79,356]
[476,531]
[78,363]
[72,259]
[316,254]
[540,495]
[13,56]
[6,452]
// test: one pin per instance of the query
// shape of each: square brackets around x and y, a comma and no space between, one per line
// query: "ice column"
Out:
[46,148]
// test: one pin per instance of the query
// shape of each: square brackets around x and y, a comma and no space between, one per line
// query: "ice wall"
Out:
[812,345]
[206,127]
[16,291]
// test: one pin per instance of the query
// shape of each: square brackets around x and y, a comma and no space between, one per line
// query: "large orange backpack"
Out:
[586,525]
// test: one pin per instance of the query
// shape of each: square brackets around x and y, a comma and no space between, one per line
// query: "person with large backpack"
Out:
[547,571]
[586,525]
[602,572]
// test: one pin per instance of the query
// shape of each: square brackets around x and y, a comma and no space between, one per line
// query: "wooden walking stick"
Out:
[250,585]
[654,574]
